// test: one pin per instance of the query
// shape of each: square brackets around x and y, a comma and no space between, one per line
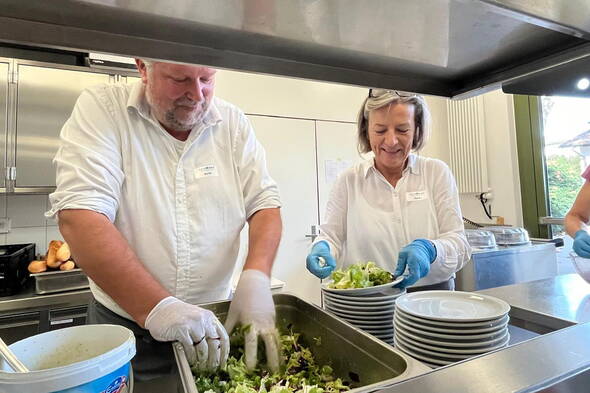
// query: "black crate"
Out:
[14,260]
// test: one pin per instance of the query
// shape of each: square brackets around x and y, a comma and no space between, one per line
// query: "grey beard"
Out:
[170,118]
[176,125]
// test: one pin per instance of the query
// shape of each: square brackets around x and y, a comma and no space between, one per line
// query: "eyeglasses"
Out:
[376,93]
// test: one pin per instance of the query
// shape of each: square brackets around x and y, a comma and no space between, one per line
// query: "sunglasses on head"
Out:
[376,93]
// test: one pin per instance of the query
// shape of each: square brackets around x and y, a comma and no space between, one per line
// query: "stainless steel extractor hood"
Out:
[439,47]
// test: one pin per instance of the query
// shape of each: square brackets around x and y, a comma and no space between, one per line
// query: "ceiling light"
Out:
[583,84]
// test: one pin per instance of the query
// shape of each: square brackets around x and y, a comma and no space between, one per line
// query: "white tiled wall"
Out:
[28,223]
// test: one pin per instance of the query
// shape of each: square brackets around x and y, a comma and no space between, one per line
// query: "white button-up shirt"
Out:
[367,219]
[180,205]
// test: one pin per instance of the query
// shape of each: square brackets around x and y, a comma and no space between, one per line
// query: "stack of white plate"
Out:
[442,327]
[370,309]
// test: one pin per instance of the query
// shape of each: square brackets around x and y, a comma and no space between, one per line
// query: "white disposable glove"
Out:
[174,320]
[253,305]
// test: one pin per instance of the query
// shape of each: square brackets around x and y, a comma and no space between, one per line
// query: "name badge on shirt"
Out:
[207,170]
[416,196]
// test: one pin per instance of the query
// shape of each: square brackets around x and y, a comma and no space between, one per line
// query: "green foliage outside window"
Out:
[564,181]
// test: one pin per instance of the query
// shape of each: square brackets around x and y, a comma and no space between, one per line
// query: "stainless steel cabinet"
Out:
[46,97]
[4,68]
[20,325]
[15,327]
[67,317]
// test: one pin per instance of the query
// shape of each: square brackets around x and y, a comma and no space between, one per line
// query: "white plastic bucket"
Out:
[80,359]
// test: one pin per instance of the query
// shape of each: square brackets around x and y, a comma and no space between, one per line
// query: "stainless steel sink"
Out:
[354,355]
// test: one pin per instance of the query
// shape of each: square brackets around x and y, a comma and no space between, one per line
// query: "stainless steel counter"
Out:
[566,297]
[27,300]
[556,361]
[547,305]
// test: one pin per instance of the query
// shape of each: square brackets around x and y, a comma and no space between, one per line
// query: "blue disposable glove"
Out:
[417,256]
[320,249]
[582,244]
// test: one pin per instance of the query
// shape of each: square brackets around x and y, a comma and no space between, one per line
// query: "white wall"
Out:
[438,143]
[502,163]
[28,221]
[258,94]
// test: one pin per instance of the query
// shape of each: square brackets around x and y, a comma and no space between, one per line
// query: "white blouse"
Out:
[367,219]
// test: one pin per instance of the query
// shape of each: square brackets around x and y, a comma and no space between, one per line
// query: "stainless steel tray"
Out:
[59,281]
[349,351]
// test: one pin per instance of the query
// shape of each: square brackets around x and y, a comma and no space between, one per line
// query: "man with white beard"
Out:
[155,181]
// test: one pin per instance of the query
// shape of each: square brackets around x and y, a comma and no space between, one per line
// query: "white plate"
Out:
[372,327]
[345,307]
[358,314]
[417,356]
[452,306]
[382,331]
[441,337]
[453,344]
[365,306]
[455,325]
[370,323]
[362,319]
[383,336]
[361,291]
[447,350]
[426,352]
[429,328]
[347,301]
[389,295]
[422,357]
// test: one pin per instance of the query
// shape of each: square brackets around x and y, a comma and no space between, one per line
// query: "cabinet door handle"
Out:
[61,321]
[313,234]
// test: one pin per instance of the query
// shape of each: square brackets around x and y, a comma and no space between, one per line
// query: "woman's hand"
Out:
[320,250]
[417,257]
[582,244]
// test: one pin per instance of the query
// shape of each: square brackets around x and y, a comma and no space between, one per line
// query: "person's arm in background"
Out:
[89,179]
[252,304]
[328,244]
[577,218]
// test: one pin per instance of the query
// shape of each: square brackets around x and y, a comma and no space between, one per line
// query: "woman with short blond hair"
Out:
[398,209]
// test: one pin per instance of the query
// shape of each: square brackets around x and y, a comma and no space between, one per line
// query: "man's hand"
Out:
[174,320]
[252,305]
[417,256]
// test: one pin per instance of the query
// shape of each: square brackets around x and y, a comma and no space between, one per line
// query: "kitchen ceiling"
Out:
[439,47]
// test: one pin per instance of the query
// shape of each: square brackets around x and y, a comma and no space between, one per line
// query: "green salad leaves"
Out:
[299,373]
[360,275]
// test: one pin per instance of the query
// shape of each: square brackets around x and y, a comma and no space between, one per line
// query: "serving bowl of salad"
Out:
[360,279]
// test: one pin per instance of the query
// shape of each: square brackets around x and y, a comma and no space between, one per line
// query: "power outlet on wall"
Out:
[5,224]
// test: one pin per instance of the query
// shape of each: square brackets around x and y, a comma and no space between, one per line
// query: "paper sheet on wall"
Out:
[334,168]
